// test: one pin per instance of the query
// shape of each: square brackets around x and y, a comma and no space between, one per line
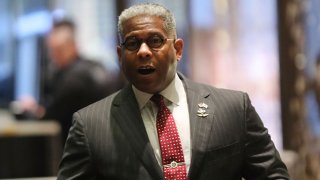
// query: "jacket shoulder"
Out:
[216,91]
[98,107]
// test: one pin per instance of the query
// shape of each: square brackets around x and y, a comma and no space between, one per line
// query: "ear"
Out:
[119,52]
[178,45]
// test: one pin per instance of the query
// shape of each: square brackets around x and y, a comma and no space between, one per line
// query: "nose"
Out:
[144,51]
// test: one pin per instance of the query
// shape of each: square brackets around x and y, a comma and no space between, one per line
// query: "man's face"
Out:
[61,47]
[149,69]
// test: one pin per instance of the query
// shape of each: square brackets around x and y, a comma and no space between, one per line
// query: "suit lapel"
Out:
[127,115]
[200,125]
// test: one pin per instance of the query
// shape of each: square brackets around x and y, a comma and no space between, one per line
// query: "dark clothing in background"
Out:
[74,87]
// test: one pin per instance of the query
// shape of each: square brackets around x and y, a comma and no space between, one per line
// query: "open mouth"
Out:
[146,70]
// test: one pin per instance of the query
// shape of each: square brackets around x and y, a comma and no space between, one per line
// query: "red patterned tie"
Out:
[174,166]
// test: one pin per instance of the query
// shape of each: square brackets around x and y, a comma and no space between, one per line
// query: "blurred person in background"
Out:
[70,82]
[74,81]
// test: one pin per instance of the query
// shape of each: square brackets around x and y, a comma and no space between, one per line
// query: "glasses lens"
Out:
[132,44]
[155,41]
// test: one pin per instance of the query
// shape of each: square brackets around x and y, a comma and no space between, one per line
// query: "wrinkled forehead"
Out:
[143,23]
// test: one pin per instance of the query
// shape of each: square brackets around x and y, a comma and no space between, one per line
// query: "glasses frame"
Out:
[140,41]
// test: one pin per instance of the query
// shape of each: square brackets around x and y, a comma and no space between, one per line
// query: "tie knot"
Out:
[157,98]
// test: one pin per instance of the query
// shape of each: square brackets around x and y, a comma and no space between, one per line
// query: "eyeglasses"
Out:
[153,42]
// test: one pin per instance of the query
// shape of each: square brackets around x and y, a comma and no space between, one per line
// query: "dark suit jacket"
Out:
[108,140]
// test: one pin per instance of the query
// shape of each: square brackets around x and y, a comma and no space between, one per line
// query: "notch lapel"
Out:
[200,127]
[127,115]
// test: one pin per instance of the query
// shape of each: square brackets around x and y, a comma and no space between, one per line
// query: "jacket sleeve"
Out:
[76,162]
[262,160]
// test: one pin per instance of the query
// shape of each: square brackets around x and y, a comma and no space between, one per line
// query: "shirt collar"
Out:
[172,93]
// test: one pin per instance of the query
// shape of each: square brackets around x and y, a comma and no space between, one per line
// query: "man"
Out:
[73,82]
[218,134]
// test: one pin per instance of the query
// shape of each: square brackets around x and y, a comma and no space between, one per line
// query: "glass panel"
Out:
[234,48]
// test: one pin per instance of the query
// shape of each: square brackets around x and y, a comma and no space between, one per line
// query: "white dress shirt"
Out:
[176,100]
